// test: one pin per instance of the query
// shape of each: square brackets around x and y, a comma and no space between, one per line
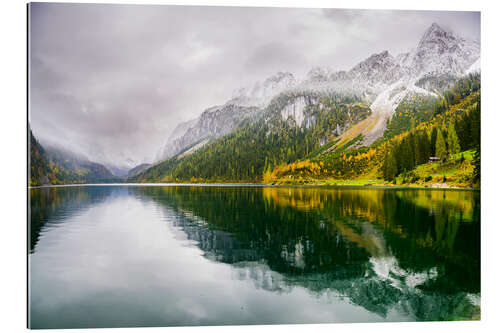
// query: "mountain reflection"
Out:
[412,251]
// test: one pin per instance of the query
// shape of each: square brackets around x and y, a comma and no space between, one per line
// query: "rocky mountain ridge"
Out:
[213,123]
[383,81]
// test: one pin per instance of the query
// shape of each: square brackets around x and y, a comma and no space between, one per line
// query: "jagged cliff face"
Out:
[213,123]
[383,80]
[378,69]
[440,57]
[442,52]
[169,148]
[218,121]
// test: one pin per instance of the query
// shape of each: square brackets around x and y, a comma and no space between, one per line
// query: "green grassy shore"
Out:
[455,173]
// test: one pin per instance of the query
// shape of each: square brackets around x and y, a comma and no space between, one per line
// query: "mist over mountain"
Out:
[324,105]
[134,171]
[382,80]
[112,82]
[55,165]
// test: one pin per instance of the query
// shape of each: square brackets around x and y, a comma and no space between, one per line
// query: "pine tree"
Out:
[462,129]
[390,166]
[441,151]
[453,144]
[406,154]
[421,147]
[475,125]
[432,140]
[425,147]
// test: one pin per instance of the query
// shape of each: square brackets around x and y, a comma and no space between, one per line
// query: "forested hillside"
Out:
[373,123]
[279,136]
[53,166]
[39,168]
[297,151]
[451,134]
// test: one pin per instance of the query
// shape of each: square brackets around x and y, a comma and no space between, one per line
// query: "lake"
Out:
[127,256]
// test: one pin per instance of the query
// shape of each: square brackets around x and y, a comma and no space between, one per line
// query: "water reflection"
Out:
[412,251]
[56,204]
[120,254]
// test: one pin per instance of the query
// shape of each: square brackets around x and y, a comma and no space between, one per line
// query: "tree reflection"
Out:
[412,251]
[54,203]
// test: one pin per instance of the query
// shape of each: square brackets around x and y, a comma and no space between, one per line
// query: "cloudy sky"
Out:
[112,81]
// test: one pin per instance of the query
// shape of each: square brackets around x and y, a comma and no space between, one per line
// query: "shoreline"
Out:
[319,185]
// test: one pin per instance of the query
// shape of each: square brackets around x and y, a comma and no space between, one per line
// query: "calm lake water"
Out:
[116,256]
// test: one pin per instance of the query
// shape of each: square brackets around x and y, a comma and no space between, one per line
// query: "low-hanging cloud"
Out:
[112,81]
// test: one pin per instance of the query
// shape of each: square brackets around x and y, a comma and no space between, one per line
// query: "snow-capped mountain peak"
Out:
[441,51]
[378,68]
[438,60]
[436,33]
[384,80]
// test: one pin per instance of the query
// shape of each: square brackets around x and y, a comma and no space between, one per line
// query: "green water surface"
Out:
[126,256]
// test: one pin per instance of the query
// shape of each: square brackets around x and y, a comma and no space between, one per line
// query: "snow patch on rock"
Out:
[295,111]
[475,67]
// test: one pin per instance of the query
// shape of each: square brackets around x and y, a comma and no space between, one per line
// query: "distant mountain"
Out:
[78,164]
[137,169]
[439,59]
[325,107]
[213,123]
[382,80]
[118,171]
[441,51]
[381,68]
[169,149]
[293,125]
[51,165]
